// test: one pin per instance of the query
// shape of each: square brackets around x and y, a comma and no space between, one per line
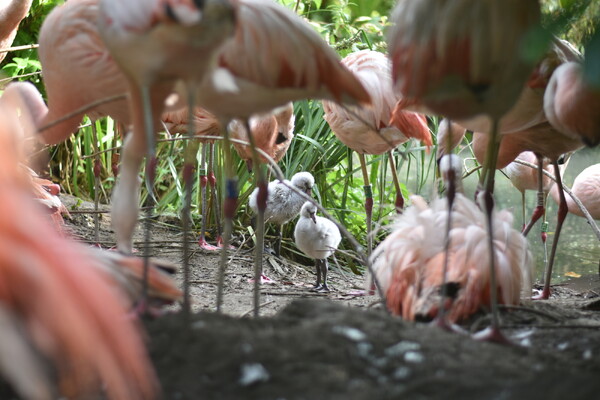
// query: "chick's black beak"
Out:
[313,217]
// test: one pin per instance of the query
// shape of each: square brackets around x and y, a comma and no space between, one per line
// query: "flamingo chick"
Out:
[409,262]
[318,238]
[283,203]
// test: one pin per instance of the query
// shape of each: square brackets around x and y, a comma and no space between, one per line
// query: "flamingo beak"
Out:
[314,218]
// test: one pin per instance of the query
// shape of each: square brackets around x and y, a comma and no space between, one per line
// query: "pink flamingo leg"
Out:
[562,214]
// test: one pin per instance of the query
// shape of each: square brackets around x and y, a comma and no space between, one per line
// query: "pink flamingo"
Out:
[275,57]
[586,188]
[272,132]
[409,263]
[92,345]
[524,178]
[572,104]
[156,43]
[11,14]
[369,130]
[464,70]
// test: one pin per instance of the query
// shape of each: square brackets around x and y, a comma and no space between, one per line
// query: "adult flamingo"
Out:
[410,261]
[272,132]
[275,57]
[524,178]
[11,14]
[586,188]
[572,104]
[93,345]
[369,130]
[78,70]
[464,70]
[157,43]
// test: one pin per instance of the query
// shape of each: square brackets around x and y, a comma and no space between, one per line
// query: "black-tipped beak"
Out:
[313,217]
[308,191]
[249,165]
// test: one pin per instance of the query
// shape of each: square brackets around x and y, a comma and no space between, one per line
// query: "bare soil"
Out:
[338,345]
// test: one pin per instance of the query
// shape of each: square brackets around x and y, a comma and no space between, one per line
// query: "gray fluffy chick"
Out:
[283,204]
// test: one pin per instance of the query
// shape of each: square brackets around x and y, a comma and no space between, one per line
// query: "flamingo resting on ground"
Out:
[283,203]
[369,130]
[428,67]
[11,14]
[318,238]
[409,262]
[54,306]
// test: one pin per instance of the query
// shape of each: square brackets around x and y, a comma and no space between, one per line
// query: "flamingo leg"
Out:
[212,181]
[399,203]
[261,202]
[368,201]
[493,333]
[562,214]
[523,211]
[126,195]
[97,169]
[229,207]
[278,241]
[539,210]
[191,150]
[203,189]
[440,318]
[324,268]
[317,284]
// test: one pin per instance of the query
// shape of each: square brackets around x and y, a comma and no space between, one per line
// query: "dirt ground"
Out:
[338,345]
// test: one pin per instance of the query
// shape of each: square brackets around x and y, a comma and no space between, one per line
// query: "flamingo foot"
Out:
[321,288]
[144,309]
[492,334]
[543,295]
[220,243]
[443,324]
[263,280]
[204,245]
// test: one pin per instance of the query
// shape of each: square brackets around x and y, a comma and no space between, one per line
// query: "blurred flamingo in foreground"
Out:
[572,104]
[369,130]
[53,308]
[11,14]
[465,70]
[275,57]
[409,262]
[157,43]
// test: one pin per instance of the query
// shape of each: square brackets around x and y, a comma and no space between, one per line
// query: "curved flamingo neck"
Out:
[11,13]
